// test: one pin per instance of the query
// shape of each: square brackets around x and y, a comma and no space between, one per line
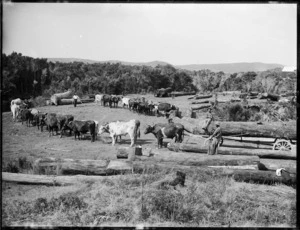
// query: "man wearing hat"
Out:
[216,138]
[75,98]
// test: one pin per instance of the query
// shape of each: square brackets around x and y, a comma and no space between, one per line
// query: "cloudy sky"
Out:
[175,33]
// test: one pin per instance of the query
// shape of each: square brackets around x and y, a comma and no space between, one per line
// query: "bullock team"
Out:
[138,104]
[62,123]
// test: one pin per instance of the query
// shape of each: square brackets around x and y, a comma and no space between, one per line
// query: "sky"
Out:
[179,34]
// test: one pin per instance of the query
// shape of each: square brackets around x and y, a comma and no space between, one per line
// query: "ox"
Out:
[15,111]
[125,102]
[166,108]
[107,99]
[121,128]
[115,100]
[62,121]
[26,115]
[82,127]
[51,122]
[170,130]
[39,119]
[98,98]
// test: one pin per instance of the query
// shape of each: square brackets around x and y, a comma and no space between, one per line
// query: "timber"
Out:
[246,129]
[202,96]
[201,107]
[198,148]
[264,177]
[78,166]
[272,97]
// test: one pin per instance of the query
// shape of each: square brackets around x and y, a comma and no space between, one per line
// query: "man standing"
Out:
[215,140]
[75,98]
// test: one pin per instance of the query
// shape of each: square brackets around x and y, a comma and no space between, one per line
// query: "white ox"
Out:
[98,98]
[17,101]
[125,101]
[15,110]
[121,128]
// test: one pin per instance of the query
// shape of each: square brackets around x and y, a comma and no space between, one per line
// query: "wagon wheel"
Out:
[282,145]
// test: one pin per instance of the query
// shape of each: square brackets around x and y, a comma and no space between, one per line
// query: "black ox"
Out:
[161,131]
[82,127]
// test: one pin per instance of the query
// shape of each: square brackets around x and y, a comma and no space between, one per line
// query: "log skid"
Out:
[262,153]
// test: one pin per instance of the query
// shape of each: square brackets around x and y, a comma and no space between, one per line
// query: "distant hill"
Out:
[225,67]
[67,60]
[232,67]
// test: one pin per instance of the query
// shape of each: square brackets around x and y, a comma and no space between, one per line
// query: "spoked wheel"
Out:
[282,145]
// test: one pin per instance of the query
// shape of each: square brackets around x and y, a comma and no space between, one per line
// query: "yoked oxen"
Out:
[165,108]
[98,98]
[121,128]
[170,130]
[39,119]
[62,121]
[15,109]
[107,99]
[82,127]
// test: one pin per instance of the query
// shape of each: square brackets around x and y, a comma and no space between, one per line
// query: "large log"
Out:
[202,96]
[272,97]
[194,159]
[204,106]
[273,164]
[197,148]
[71,166]
[246,129]
[64,95]
[49,180]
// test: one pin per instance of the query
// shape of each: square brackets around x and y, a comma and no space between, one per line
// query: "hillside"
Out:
[232,67]
[224,67]
[69,60]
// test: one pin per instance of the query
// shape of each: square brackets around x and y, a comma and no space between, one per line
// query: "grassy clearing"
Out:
[138,199]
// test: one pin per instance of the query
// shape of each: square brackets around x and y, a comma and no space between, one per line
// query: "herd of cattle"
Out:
[139,104]
[62,123]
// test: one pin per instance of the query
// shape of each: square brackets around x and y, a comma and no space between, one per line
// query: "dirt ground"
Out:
[20,141]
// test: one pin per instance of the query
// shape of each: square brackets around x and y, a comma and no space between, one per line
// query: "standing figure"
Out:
[75,98]
[215,140]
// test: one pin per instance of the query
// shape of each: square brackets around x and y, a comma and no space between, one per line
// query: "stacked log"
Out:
[201,96]
[272,97]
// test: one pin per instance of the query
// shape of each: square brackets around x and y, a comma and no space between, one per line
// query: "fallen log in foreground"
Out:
[265,153]
[201,96]
[88,167]
[255,176]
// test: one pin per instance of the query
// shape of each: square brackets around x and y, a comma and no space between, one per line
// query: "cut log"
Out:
[263,177]
[204,106]
[70,166]
[199,102]
[273,164]
[49,180]
[196,148]
[202,96]
[253,129]
[194,159]
[67,94]
[272,97]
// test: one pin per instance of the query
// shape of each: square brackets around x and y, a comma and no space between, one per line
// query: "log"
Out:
[204,106]
[253,129]
[202,96]
[49,180]
[196,148]
[199,102]
[242,144]
[273,164]
[272,97]
[70,166]
[67,94]
[194,159]
[68,101]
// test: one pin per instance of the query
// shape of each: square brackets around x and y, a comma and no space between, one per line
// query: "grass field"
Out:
[131,199]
